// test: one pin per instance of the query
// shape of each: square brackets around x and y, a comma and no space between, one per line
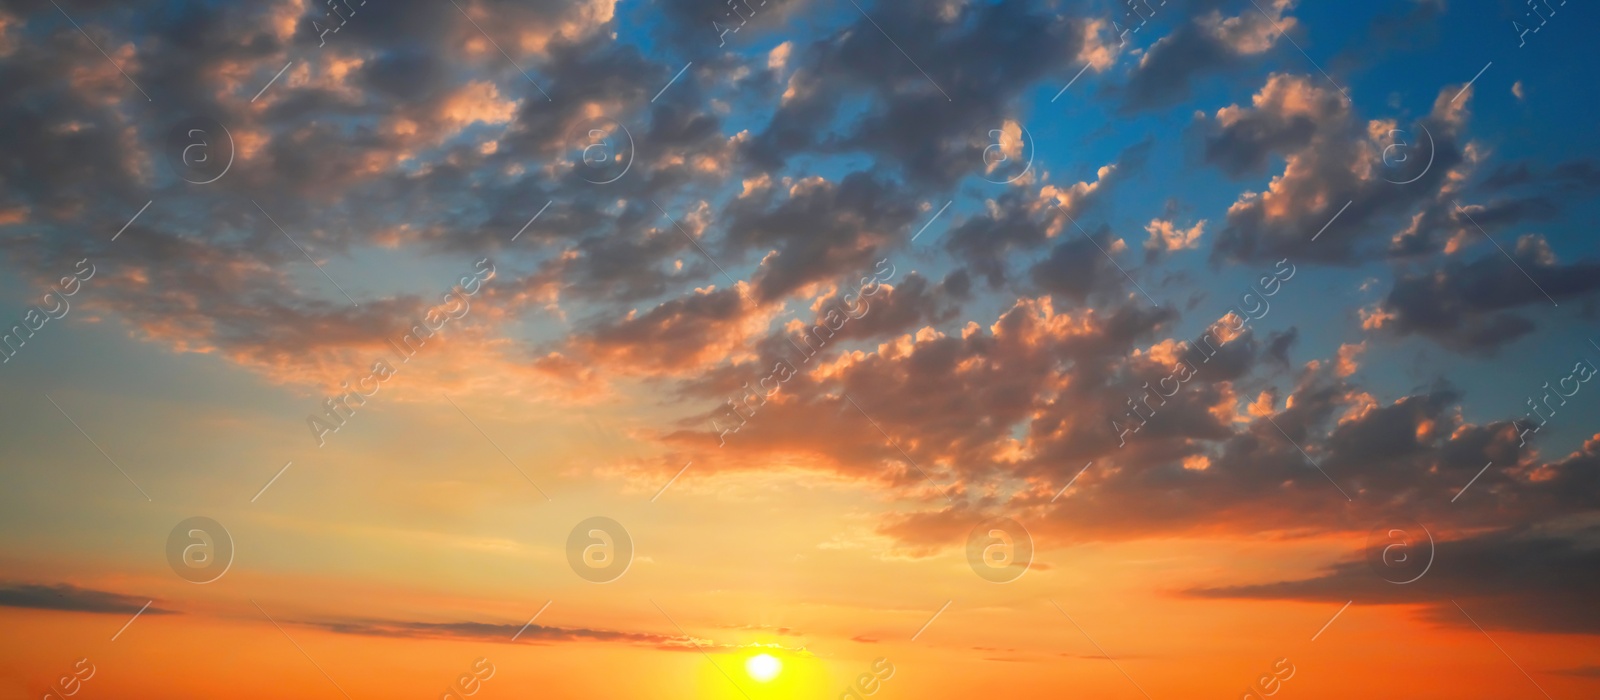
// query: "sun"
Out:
[763,667]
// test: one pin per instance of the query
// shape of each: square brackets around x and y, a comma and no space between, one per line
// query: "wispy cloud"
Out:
[65,596]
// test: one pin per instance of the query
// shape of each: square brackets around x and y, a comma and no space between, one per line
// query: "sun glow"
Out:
[763,667]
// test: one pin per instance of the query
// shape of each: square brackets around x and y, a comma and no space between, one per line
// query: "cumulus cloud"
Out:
[1474,307]
[1165,236]
[1207,43]
[816,229]
[1338,172]
[931,118]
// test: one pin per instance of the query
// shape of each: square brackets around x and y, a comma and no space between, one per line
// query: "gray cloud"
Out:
[67,597]
[1511,579]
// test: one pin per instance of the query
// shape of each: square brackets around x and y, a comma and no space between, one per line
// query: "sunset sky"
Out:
[879,348]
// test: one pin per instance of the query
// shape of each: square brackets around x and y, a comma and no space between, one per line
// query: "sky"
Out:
[799,349]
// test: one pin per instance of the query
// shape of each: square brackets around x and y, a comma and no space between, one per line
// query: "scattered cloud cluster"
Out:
[760,186]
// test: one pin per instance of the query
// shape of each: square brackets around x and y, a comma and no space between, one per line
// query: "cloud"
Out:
[1167,237]
[1339,170]
[1471,307]
[1522,580]
[1000,359]
[1207,43]
[1347,364]
[65,596]
[1567,177]
[928,117]
[1077,267]
[529,634]
[1003,371]
[685,334]
[379,145]
[1051,386]
[1017,221]
[819,230]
